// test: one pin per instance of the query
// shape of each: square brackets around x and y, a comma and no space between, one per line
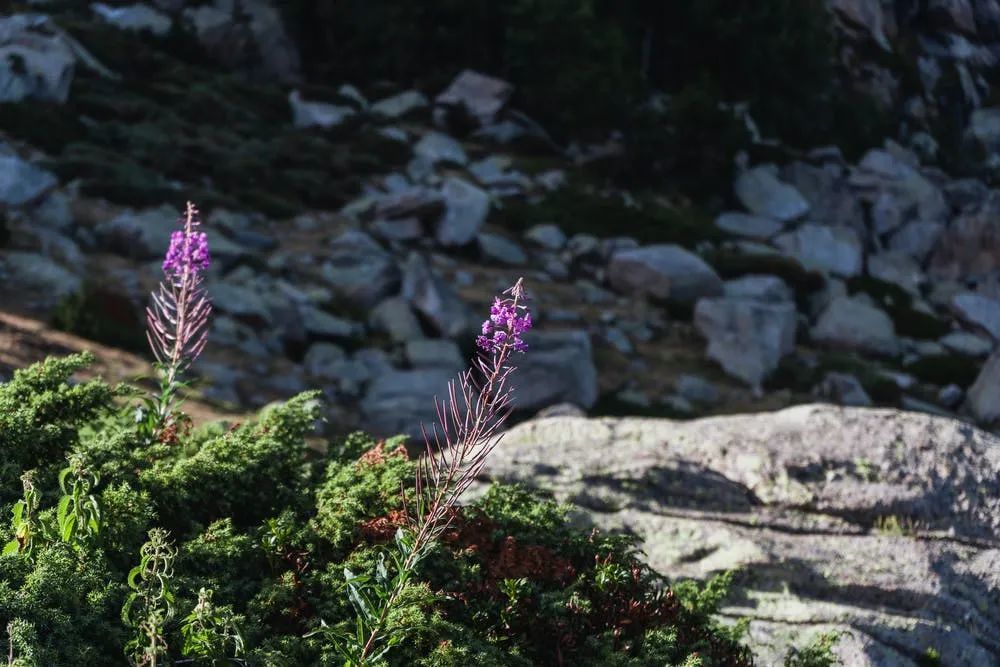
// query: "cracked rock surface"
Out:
[881,524]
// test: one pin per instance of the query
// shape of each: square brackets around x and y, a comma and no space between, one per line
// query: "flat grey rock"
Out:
[978,311]
[436,147]
[466,208]
[764,194]
[501,249]
[359,270]
[22,182]
[400,105]
[748,226]
[854,324]
[834,250]
[558,368]
[880,523]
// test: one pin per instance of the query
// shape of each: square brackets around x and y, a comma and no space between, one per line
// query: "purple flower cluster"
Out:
[177,319]
[188,250]
[505,326]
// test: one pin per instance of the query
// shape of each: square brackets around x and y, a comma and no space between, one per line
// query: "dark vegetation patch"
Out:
[583,67]
[579,210]
[944,369]
[101,315]
[801,375]
[898,303]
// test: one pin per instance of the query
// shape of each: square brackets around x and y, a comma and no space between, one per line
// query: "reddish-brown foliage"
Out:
[377,454]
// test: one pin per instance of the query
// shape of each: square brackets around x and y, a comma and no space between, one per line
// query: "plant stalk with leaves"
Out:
[25,522]
[469,428]
[78,515]
[177,320]
[150,605]
[210,632]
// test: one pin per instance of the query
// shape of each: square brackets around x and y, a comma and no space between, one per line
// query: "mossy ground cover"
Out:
[268,526]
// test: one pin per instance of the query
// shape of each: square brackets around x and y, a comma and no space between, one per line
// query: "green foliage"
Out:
[691,142]
[224,476]
[355,490]
[262,533]
[40,416]
[210,632]
[930,658]
[573,68]
[69,598]
[818,654]
[150,604]
[24,524]
[78,514]
[175,117]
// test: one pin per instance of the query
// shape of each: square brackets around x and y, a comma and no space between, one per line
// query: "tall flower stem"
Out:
[177,320]
[470,420]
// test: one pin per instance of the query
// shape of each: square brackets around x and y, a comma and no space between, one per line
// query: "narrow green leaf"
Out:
[133,575]
[62,478]
[63,510]
[18,511]
[67,528]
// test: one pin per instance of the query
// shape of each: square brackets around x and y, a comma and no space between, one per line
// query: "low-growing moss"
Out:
[818,654]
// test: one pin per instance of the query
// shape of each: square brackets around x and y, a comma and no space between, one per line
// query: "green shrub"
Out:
[263,528]
[40,417]
[817,654]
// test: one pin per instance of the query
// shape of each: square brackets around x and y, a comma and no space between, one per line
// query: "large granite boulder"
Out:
[249,35]
[37,59]
[877,523]
[747,337]
[667,272]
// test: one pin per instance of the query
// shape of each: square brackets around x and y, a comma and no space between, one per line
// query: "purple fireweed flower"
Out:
[178,319]
[508,320]
[188,251]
